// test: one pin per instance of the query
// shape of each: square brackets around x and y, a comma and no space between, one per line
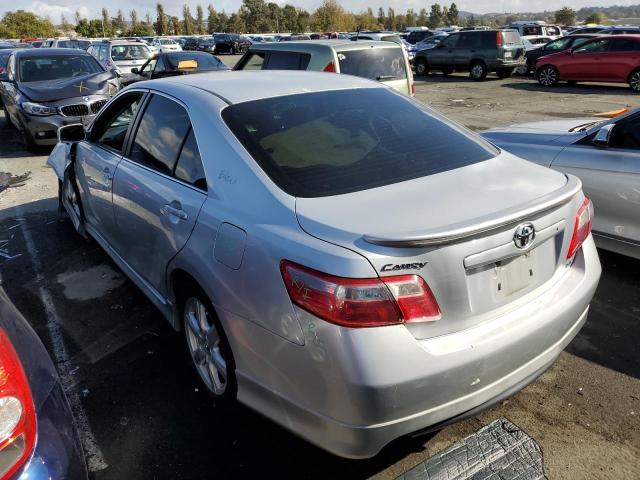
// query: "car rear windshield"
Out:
[330,143]
[121,53]
[511,37]
[56,67]
[204,60]
[374,63]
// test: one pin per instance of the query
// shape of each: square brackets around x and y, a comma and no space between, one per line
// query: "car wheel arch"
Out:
[180,282]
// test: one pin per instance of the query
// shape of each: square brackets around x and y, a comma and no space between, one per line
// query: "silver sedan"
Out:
[341,258]
[605,155]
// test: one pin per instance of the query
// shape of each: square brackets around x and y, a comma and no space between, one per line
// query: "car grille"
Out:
[76,110]
[96,106]
[82,109]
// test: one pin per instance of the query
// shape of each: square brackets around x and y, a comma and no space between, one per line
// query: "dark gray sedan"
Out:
[42,90]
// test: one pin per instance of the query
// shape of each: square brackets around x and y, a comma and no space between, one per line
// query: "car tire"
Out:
[7,120]
[447,71]
[504,73]
[28,141]
[547,76]
[233,50]
[422,67]
[478,71]
[207,345]
[634,81]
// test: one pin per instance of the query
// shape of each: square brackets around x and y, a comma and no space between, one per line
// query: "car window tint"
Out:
[55,67]
[624,45]
[374,63]
[148,67]
[451,41]
[287,61]
[160,134]
[336,142]
[254,61]
[469,40]
[103,53]
[560,44]
[626,134]
[189,167]
[594,47]
[111,126]
[509,37]
[159,65]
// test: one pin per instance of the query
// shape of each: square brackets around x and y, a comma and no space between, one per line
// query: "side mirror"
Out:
[135,70]
[603,136]
[71,133]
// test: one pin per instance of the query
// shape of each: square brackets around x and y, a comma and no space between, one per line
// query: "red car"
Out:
[614,59]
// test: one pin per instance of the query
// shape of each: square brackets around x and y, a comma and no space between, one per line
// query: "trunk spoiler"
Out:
[456,232]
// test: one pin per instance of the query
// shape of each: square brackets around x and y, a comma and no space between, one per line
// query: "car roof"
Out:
[240,86]
[43,52]
[322,45]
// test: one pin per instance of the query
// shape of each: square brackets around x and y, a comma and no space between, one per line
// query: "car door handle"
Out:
[170,209]
[106,174]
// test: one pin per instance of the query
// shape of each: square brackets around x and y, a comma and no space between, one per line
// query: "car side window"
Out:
[451,41]
[147,68]
[159,66]
[254,61]
[624,45]
[469,40]
[189,167]
[560,44]
[287,61]
[110,128]
[160,135]
[594,47]
[102,55]
[627,134]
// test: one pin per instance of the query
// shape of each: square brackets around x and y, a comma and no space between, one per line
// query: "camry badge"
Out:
[524,235]
[81,87]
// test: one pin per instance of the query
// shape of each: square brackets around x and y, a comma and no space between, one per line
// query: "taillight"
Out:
[360,302]
[330,67]
[17,413]
[498,39]
[581,227]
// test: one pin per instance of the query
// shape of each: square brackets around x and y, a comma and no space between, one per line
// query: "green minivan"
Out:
[385,62]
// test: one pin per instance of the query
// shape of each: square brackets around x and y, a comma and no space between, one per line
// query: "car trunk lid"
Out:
[456,230]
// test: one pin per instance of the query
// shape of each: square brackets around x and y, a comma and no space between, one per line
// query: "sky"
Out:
[54,8]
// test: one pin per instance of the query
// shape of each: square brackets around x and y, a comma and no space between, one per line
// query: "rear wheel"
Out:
[547,76]
[634,81]
[504,73]
[478,71]
[208,346]
[422,67]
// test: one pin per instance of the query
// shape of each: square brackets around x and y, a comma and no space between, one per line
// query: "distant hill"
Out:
[615,12]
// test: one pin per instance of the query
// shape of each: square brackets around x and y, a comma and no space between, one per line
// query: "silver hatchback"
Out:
[341,258]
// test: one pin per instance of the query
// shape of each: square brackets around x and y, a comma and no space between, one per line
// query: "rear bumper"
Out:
[352,391]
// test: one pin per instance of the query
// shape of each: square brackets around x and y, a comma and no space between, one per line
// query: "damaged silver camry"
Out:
[340,257]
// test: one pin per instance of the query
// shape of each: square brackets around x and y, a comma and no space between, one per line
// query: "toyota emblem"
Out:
[524,235]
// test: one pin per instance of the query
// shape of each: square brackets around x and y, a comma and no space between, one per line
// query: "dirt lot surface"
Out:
[147,417]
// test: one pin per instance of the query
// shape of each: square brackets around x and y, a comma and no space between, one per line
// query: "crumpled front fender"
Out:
[60,158]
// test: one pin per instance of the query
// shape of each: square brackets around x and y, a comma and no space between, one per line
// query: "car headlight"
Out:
[37,109]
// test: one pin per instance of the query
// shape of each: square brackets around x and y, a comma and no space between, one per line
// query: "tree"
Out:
[391,19]
[435,17]
[119,24]
[289,19]
[423,19]
[330,17]
[212,19]
[452,16]
[187,20]
[21,24]
[275,18]
[140,30]
[134,18]
[303,21]
[257,16]
[162,21]
[596,17]
[200,20]
[382,19]
[566,16]
[174,26]
[78,17]
[107,27]
[64,25]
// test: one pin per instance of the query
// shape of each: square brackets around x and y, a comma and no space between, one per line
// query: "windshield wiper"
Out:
[387,77]
[582,128]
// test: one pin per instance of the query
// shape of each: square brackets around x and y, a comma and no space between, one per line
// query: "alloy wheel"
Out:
[205,346]
[634,81]
[548,76]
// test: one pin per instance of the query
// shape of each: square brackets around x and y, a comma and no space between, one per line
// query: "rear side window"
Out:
[159,138]
[625,45]
[509,37]
[336,142]
[374,63]
[469,40]
[254,61]
[189,167]
[287,61]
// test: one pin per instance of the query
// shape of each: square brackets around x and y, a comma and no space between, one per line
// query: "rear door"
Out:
[622,57]
[98,157]
[467,48]
[158,189]
[611,178]
[584,62]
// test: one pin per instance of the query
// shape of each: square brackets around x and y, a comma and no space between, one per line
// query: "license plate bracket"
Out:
[515,274]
